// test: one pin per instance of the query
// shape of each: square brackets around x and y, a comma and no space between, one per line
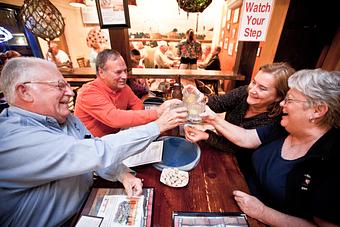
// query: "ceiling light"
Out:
[77,3]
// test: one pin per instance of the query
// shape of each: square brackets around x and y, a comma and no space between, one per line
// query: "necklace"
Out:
[293,150]
[292,145]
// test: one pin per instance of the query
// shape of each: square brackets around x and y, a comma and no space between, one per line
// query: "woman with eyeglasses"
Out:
[297,169]
[251,106]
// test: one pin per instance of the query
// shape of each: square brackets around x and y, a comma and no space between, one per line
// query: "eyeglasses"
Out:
[61,84]
[289,100]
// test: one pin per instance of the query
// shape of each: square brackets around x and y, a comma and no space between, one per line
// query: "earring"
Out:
[311,119]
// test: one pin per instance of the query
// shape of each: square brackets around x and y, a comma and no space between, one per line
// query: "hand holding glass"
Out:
[195,106]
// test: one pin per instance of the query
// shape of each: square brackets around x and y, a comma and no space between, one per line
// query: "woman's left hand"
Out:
[195,135]
[133,185]
[250,205]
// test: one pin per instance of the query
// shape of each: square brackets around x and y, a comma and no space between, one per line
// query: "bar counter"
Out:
[186,74]
[79,76]
[210,188]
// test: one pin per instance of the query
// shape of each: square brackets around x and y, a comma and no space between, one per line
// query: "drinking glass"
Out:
[194,106]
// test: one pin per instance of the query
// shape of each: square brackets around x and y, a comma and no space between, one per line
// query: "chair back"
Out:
[82,62]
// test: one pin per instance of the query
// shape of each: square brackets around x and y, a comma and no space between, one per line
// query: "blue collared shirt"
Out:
[46,168]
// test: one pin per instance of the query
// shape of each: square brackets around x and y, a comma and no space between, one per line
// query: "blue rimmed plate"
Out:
[178,153]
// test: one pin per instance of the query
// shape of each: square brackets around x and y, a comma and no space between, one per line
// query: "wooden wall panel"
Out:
[268,47]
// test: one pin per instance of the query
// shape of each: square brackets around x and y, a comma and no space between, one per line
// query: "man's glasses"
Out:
[290,100]
[61,84]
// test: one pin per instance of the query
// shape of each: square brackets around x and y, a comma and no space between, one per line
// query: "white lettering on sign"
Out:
[255,19]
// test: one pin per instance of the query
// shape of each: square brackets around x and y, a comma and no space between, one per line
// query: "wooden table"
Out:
[209,190]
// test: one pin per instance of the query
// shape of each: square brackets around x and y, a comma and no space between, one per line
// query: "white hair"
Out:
[320,87]
[162,43]
[19,70]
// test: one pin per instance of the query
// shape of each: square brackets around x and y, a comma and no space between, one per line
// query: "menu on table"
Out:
[110,207]
[209,219]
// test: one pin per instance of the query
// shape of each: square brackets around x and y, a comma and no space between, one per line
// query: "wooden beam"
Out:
[119,39]
[245,60]
[268,48]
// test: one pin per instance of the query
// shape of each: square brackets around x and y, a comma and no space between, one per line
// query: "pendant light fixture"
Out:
[42,18]
[78,3]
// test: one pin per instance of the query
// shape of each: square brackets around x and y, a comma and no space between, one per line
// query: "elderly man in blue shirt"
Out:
[48,156]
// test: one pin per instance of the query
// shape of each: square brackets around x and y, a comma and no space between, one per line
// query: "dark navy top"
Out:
[271,171]
[307,187]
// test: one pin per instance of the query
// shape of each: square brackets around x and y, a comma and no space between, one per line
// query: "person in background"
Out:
[206,54]
[59,57]
[213,63]
[4,57]
[143,53]
[171,53]
[160,59]
[136,58]
[48,156]
[139,86]
[251,106]
[297,169]
[213,60]
[189,50]
[106,104]
[97,41]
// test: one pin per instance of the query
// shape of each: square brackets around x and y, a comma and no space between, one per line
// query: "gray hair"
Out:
[104,56]
[320,87]
[19,70]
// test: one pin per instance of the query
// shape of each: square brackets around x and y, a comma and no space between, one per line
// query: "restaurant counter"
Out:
[79,76]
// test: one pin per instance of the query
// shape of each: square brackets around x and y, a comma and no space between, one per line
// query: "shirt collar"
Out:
[99,83]
[46,120]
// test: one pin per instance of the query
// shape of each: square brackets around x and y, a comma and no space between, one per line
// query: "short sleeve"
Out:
[271,132]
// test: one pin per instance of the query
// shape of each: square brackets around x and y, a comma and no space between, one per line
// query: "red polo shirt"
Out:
[104,111]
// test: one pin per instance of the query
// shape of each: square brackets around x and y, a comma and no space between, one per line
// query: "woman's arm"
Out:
[254,208]
[246,138]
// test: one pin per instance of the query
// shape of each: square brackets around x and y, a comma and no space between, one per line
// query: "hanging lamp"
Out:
[42,18]
[193,6]
[77,3]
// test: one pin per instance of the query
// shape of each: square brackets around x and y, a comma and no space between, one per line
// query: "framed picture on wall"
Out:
[228,14]
[230,49]
[113,13]
[236,14]
[233,32]
[226,43]
[228,26]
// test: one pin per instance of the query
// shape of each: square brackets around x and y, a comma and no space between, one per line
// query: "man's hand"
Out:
[172,116]
[168,104]
[133,185]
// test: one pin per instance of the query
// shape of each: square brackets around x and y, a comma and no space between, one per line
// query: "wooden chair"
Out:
[204,88]
[82,62]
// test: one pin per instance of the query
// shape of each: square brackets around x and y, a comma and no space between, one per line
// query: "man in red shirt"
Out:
[107,104]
